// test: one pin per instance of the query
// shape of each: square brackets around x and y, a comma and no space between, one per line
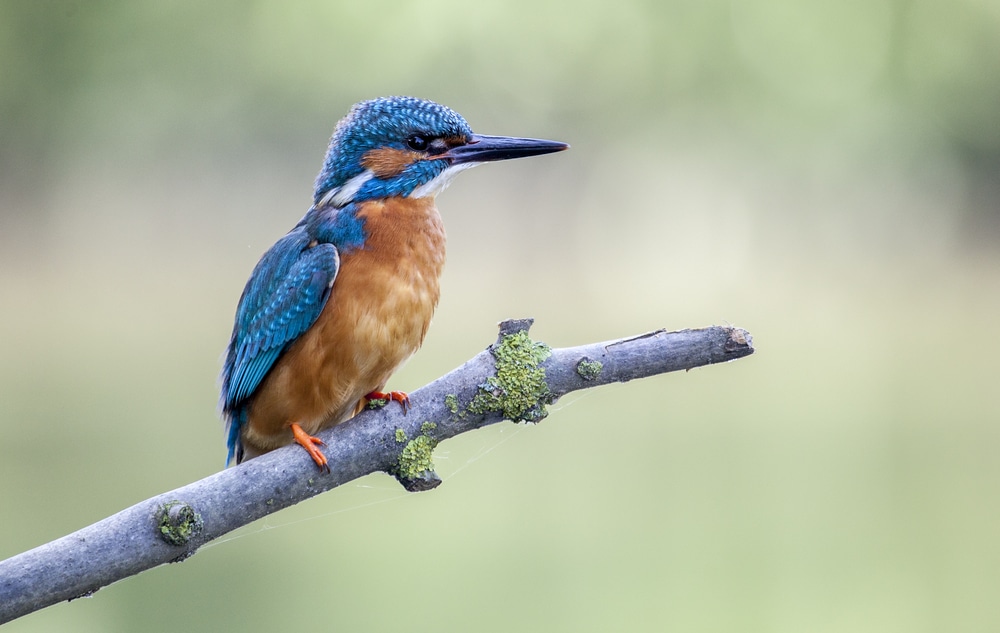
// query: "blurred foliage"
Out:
[825,174]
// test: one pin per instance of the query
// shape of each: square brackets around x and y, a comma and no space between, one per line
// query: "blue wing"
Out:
[282,299]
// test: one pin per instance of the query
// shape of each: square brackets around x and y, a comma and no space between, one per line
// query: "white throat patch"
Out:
[441,181]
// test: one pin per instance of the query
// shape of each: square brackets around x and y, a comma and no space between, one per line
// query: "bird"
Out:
[335,306]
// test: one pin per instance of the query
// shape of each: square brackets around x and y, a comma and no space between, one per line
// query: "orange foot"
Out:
[309,443]
[398,396]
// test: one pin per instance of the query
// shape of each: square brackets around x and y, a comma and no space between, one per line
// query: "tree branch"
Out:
[515,378]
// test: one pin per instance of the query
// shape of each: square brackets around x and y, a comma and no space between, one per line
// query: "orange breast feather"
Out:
[377,315]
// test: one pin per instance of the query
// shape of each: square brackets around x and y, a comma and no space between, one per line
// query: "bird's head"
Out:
[404,146]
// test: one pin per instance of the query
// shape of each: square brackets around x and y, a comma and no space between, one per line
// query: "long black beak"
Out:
[482,148]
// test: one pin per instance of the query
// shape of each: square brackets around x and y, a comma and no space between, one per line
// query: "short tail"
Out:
[234,424]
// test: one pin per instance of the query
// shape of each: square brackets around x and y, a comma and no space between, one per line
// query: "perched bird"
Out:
[337,304]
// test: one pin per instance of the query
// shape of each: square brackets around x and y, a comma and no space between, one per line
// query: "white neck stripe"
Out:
[342,195]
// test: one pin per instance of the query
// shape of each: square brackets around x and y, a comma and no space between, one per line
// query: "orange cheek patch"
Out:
[386,162]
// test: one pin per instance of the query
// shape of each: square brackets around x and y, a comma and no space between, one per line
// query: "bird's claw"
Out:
[392,396]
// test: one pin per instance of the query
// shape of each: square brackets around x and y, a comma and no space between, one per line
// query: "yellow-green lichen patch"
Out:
[451,401]
[178,522]
[589,369]
[518,390]
[416,457]
[377,403]
[400,436]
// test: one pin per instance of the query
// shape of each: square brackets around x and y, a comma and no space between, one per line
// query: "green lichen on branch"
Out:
[451,401]
[589,369]
[178,522]
[519,390]
[416,457]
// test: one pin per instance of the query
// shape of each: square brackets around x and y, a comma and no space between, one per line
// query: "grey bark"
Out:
[172,526]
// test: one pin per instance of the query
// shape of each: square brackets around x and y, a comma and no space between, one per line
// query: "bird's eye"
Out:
[417,143]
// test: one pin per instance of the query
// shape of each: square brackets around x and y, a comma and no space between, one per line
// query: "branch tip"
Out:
[740,342]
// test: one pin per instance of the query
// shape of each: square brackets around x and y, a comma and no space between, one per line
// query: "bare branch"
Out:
[515,378]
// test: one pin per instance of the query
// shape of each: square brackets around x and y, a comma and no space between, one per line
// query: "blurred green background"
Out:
[824,174]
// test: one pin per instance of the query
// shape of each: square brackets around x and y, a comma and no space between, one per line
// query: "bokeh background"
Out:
[824,174]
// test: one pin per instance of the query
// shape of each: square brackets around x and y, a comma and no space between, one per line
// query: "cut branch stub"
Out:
[516,390]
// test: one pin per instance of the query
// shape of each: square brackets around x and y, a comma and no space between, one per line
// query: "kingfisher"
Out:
[335,306]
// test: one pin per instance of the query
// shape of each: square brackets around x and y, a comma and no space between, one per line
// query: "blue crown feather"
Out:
[386,122]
